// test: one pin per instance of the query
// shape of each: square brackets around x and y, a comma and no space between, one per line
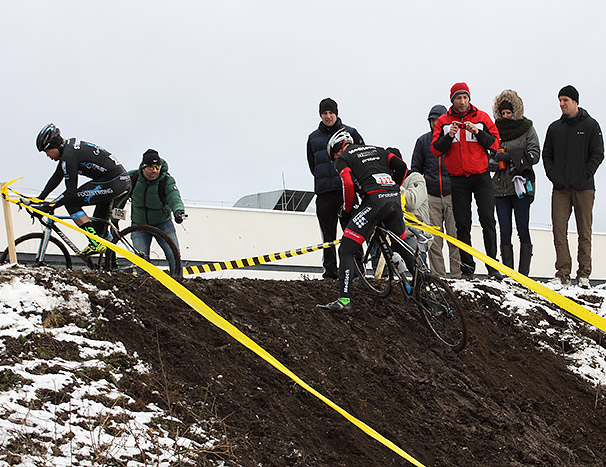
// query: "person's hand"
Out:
[180,216]
[493,165]
[472,128]
[46,207]
[503,156]
[454,129]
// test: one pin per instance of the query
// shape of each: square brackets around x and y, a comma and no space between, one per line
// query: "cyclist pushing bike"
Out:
[376,175]
[109,180]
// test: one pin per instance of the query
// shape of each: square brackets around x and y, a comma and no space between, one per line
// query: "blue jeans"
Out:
[520,207]
[142,242]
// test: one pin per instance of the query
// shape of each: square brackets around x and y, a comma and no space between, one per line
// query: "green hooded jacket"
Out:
[147,206]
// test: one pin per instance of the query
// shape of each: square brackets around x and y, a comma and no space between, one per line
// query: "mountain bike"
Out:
[52,246]
[379,267]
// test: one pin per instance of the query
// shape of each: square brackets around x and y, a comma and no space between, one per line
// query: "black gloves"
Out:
[493,165]
[46,207]
[180,216]
[503,156]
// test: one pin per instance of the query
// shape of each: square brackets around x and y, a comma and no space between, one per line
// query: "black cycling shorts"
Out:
[377,207]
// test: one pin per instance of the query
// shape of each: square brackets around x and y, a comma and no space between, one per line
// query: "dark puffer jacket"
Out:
[573,151]
[146,204]
[326,177]
[424,162]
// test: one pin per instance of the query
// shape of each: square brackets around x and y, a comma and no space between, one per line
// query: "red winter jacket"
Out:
[465,154]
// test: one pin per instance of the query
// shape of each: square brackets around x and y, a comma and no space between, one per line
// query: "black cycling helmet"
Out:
[49,137]
[337,142]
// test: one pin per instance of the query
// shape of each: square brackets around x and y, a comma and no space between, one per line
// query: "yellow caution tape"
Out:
[203,309]
[563,302]
[246,262]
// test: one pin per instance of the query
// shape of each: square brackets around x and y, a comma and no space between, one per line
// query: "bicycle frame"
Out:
[382,234]
[49,226]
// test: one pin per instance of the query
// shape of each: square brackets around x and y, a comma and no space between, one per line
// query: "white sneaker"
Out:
[584,283]
[557,283]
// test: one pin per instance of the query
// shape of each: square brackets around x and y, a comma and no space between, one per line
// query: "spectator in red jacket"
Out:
[463,135]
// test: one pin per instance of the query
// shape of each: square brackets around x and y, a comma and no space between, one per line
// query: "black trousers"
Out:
[463,189]
[327,210]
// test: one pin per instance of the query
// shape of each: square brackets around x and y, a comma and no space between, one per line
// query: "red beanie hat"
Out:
[459,88]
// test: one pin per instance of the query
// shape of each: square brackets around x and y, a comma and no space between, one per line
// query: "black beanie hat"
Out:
[151,157]
[328,104]
[505,105]
[570,91]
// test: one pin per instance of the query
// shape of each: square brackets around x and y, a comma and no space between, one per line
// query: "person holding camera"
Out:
[464,134]
[514,180]
[154,197]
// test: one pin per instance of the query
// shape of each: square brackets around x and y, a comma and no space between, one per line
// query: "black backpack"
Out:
[161,186]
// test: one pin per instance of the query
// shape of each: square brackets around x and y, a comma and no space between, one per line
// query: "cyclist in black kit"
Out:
[109,181]
[376,175]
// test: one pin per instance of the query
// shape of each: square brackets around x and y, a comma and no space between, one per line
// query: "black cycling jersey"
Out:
[81,158]
[368,169]
[376,174]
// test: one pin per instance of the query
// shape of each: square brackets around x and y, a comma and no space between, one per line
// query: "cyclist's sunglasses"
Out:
[154,166]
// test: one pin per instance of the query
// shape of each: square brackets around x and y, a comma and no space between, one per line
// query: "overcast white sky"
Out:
[228,91]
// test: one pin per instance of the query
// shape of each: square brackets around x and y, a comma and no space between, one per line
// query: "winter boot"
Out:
[525,256]
[507,255]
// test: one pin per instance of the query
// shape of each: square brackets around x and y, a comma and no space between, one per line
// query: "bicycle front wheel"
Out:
[156,256]
[28,247]
[441,311]
[373,270]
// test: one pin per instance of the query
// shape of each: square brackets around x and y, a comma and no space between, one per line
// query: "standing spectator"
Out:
[327,183]
[153,198]
[463,135]
[514,183]
[439,198]
[573,151]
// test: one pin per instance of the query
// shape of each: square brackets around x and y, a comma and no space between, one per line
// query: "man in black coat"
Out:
[327,183]
[573,151]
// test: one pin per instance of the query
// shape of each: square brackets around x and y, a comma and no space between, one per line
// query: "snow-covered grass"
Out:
[580,343]
[60,402]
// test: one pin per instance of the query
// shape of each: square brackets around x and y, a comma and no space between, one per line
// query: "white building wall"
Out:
[223,234]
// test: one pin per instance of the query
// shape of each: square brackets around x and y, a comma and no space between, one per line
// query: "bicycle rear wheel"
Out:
[156,256]
[375,272]
[441,311]
[28,246]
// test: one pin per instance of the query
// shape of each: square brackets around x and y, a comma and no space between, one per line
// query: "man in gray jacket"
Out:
[573,151]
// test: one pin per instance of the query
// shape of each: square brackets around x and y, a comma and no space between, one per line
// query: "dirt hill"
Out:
[509,398]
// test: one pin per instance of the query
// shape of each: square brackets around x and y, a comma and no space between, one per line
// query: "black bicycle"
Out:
[379,267]
[52,246]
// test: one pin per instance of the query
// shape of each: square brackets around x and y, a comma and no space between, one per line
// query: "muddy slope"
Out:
[502,401]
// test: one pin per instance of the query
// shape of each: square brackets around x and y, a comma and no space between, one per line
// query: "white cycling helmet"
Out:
[337,142]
